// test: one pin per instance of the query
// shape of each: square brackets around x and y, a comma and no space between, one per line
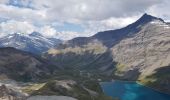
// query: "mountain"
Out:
[145,55]
[22,66]
[34,42]
[96,49]
[111,37]
[137,52]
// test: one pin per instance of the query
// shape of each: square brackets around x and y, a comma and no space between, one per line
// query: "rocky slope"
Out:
[9,94]
[23,66]
[50,98]
[138,52]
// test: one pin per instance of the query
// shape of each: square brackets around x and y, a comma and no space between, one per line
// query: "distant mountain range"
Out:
[34,42]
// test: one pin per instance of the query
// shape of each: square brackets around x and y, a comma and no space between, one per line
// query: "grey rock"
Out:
[50,98]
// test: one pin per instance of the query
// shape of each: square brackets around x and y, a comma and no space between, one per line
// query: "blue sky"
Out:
[66,19]
[70,27]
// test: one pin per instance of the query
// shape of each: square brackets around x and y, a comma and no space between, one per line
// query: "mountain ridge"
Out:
[114,36]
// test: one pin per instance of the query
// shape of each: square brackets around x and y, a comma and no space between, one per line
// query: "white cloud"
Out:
[67,35]
[48,31]
[113,23]
[4,1]
[22,14]
[76,10]
[93,27]
[161,10]
[93,9]
[13,26]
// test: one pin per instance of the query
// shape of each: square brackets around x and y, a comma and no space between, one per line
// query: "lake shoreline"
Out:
[136,85]
[138,82]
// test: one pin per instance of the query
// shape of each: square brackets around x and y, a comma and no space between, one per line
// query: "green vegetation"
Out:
[120,68]
[95,48]
[33,87]
[93,85]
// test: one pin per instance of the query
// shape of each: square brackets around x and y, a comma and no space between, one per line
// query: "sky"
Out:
[66,19]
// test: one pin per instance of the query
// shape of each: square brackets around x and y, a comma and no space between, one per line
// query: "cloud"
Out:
[93,15]
[161,10]
[93,9]
[4,1]
[67,35]
[13,26]
[108,24]
[22,14]
[76,10]
[48,31]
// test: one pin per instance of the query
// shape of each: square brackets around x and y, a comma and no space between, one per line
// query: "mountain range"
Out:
[138,52]
[34,42]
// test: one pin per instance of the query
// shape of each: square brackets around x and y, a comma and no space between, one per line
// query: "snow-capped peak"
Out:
[34,42]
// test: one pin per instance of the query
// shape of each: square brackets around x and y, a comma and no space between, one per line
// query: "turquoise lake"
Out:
[131,91]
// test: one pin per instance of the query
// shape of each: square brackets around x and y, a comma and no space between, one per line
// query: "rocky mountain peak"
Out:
[35,34]
[146,18]
[34,42]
